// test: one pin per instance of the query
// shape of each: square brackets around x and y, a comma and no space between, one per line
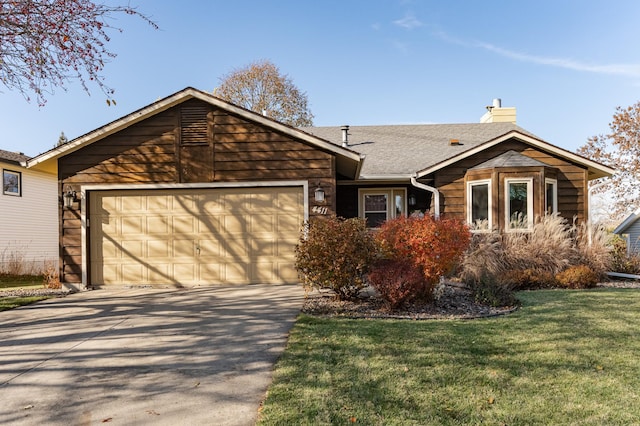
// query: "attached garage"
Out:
[196,236]
[190,191]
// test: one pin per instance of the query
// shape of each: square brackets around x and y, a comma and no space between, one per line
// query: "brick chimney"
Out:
[497,114]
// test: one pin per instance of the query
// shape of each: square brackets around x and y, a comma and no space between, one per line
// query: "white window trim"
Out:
[470,186]
[391,201]
[554,182]
[529,182]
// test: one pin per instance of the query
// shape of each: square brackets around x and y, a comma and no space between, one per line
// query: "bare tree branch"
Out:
[46,44]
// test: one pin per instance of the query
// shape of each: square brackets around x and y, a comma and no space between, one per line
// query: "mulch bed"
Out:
[453,301]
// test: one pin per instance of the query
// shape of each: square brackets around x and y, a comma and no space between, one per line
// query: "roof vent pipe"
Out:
[497,103]
[345,136]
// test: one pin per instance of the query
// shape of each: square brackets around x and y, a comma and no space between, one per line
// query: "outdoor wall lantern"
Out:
[319,194]
[412,200]
[68,198]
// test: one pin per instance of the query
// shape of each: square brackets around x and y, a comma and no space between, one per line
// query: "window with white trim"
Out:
[519,204]
[550,196]
[379,205]
[479,205]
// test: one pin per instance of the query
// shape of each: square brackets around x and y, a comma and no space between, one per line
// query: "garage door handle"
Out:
[198,249]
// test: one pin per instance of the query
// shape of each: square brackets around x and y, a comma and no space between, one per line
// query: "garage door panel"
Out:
[211,272]
[132,225]
[132,249]
[184,248]
[287,272]
[160,203]
[157,225]
[158,273]
[235,224]
[263,223]
[211,203]
[288,202]
[209,225]
[184,203]
[289,223]
[195,236]
[135,272]
[236,272]
[184,272]
[183,225]
[262,271]
[262,247]
[108,250]
[233,248]
[265,201]
[158,249]
[209,248]
[132,203]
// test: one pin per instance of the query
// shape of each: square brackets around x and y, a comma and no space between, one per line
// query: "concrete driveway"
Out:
[144,356]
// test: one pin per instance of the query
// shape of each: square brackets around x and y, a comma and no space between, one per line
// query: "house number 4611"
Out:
[320,209]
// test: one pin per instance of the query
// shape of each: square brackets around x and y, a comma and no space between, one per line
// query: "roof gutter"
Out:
[434,191]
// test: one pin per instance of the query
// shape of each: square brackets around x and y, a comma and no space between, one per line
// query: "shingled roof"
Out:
[402,150]
[13,157]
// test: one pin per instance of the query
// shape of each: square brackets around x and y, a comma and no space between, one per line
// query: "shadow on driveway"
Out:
[144,356]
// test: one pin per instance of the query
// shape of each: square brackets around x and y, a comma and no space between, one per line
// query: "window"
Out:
[11,183]
[378,205]
[550,196]
[479,204]
[519,203]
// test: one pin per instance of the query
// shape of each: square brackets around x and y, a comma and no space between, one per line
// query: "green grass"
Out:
[7,303]
[566,357]
[13,282]
[20,281]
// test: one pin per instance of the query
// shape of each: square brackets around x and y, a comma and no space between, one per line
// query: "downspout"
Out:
[434,191]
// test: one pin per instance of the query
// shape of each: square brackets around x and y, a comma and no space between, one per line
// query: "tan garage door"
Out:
[195,236]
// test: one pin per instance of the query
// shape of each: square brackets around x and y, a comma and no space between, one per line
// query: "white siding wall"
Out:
[29,224]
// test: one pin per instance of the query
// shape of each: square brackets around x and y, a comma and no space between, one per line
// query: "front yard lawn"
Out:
[566,357]
[10,282]
[7,303]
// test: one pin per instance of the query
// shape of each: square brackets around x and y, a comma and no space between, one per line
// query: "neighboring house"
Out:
[192,190]
[29,225]
[629,229]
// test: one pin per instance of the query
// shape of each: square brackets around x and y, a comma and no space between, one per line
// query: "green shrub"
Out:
[579,276]
[399,281]
[490,291]
[335,253]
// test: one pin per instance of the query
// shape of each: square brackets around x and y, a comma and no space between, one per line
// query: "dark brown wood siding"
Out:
[571,180]
[191,142]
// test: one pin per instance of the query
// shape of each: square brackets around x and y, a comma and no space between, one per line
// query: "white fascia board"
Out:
[386,177]
[591,165]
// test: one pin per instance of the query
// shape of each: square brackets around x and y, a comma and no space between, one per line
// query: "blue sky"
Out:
[565,65]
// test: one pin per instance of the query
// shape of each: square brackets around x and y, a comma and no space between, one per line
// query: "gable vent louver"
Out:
[193,124]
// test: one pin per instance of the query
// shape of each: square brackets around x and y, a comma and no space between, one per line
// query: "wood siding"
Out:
[572,181]
[191,142]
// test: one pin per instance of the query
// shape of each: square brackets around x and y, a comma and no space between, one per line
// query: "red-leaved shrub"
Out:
[398,281]
[435,246]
